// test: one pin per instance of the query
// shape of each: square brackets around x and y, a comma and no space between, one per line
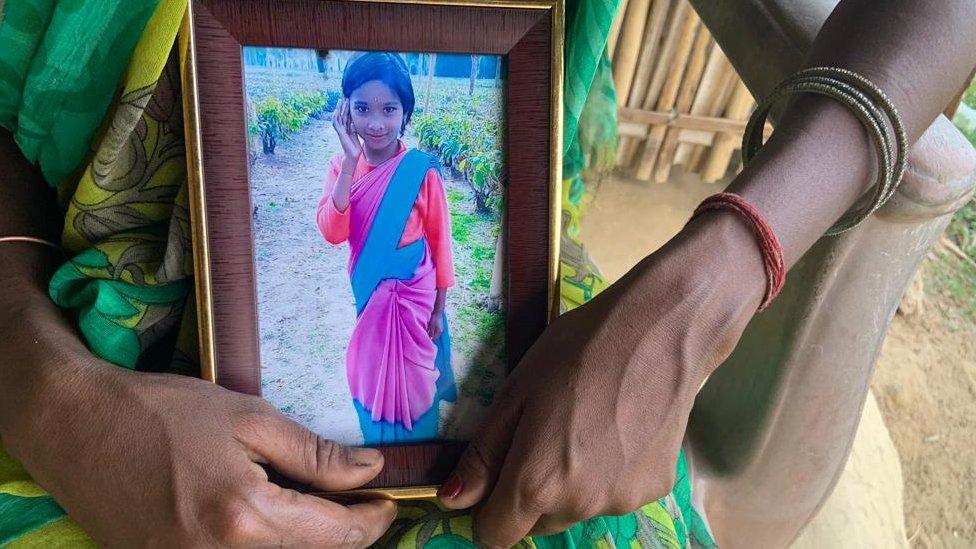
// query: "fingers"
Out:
[482,460]
[376,515]
[505,518]
[516,503]
[338,120]
[547,525]
[348,120]
[300,454]
[342,124]
[293,518]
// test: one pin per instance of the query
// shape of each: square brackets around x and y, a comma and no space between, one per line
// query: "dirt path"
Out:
[305,305]
[926,386]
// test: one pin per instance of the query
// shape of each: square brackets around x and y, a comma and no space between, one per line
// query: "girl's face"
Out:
[377,115]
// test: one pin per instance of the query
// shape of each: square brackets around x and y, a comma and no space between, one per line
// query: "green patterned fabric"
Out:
[589,140]
[90,89]
[53,91]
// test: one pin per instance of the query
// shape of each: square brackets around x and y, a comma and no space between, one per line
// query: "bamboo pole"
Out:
[711,84]
[618,18]
[686,96]
[625,57]
[690,138]
[669,93]
[632,129]
[729,81]
[637,118]
[652,38]
[626,155]
[721,103]
[725,144]
[645,63]
[706,138]
[679,16]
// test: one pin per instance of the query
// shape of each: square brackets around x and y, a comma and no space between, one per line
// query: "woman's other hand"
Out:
[591,421]
[156,459]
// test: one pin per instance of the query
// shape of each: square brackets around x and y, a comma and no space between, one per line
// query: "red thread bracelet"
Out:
[772,251]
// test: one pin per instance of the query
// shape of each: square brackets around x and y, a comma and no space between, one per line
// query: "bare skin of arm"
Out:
[352,148]
[591,421]
[140,459]
[436,326]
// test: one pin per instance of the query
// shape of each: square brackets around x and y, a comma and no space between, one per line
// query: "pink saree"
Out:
[391,360]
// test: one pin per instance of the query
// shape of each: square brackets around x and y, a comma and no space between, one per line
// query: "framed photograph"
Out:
[375,194]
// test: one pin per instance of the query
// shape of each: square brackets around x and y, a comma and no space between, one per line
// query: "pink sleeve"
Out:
[437,228]
[333,224]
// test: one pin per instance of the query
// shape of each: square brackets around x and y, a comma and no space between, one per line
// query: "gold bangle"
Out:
[30,240]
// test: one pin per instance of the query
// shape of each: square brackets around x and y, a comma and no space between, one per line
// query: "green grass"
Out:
[952,281]
[962,229]
[488,335]
[481,252]
[462,225]
[949,277]
[482,279]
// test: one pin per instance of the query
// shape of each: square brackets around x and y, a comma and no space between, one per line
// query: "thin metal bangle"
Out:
[30,240]
[880,106]
[869,104]
[889,108]
[876,131]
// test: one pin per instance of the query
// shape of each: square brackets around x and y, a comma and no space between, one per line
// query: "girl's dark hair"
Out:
[388,68]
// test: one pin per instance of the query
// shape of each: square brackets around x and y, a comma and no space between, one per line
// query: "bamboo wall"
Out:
[680,100]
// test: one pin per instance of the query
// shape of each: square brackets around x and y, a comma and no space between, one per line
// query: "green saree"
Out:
[90,90]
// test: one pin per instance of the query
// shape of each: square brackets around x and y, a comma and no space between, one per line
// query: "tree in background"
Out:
[475,60]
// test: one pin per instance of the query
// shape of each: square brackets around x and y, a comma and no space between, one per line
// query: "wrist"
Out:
[348,167]
[41,362]
[707,282]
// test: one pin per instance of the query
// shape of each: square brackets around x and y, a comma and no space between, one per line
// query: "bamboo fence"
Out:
[680,101]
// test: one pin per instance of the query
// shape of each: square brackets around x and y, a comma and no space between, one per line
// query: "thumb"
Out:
[301,455]
[478,469]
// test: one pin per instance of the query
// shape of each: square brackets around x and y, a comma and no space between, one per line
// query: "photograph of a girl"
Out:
[396,332]
[400,265]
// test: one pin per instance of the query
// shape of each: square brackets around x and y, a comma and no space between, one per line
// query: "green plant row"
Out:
[276,118]
[470,144]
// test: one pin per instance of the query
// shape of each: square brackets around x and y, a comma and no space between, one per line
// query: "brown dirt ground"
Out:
[925,383]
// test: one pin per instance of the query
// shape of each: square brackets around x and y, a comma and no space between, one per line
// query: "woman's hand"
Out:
[591,421]
[435,326]
[348,138]
[155,459]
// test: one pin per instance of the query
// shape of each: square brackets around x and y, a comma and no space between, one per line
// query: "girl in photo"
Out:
[389,203]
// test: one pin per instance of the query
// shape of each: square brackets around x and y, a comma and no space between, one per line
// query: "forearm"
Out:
[440,301]
[820,160]
[816,165]
[33,332]
[340,193]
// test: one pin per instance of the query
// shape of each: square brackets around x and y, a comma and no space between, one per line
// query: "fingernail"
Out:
[452,488]
[364,457]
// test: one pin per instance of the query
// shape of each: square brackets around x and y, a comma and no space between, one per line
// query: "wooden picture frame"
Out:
[527,33]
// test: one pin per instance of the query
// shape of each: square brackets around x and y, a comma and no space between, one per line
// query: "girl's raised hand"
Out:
[342,123]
